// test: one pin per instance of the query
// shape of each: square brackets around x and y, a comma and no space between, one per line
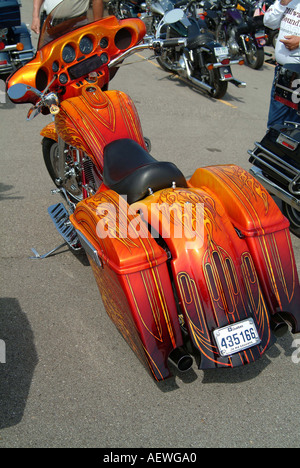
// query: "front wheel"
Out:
[255,56]
[166,60]
[294,218]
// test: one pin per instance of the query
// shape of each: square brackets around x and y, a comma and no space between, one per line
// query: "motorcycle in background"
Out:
[257,9]
[276,158]
[200,267]
[199,60]
[15,39]
[127,8]
[243,36]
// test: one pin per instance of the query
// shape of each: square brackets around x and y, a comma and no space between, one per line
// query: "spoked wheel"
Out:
[166,60]
[255,57]
[71,180]
[294,218]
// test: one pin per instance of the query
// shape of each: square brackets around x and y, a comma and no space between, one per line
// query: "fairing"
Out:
[109,36]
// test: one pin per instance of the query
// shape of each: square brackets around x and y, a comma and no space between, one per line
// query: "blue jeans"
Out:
[278,112]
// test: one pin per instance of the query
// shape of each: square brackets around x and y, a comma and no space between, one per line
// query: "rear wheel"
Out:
[294,218]
[220,87]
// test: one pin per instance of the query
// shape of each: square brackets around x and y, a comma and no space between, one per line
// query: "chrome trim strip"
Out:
[275,189]
[89,249]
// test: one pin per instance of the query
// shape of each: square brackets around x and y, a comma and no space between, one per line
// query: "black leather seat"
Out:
[130,170]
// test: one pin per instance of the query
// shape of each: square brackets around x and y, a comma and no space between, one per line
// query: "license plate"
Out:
[236,337]
[221,51]
[260,34]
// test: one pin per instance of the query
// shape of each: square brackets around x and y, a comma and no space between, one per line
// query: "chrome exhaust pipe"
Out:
[196,82]
[238,83]
[278,325]
[181,359]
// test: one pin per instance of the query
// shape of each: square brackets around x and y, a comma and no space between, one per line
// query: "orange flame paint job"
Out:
[237,270]
[242,264]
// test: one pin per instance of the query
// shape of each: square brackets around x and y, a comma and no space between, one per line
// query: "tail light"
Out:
[226,61]
[2,45]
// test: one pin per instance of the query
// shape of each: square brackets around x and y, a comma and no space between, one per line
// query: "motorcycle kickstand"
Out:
[40,257]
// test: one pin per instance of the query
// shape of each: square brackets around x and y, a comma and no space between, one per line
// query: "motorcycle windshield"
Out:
[67,16]
[167,5]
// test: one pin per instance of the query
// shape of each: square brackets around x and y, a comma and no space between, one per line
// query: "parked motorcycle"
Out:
[243,36]
[127,8]
[201,61]
[276,159]
[257,9]
[15,40]
[201,267]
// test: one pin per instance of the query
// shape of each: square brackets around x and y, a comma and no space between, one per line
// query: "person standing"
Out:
[42,8]
[284,14]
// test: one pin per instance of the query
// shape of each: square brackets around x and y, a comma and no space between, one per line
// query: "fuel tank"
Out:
[90,121]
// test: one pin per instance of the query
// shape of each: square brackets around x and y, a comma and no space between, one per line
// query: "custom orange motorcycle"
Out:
[200,269]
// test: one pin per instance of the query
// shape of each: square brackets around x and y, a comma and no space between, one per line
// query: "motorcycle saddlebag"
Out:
[131,271]
[260,223]
[9,13]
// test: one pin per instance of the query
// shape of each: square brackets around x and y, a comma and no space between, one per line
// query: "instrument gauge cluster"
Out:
[86,45]
[68,54]
[80,57]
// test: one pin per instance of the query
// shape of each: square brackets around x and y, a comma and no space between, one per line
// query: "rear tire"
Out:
[294,218]
[219,86]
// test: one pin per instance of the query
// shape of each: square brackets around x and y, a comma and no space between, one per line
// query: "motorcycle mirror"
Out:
[20,91]
[173,16]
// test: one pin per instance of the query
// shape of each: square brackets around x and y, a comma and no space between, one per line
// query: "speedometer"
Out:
[68,54]
[86,45]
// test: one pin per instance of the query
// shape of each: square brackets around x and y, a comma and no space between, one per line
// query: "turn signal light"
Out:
[210,67]
[2,45]
[241,62]
[20,46]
